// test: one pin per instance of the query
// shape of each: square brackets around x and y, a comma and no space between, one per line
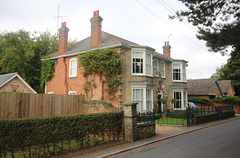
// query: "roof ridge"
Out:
[120,38]
[108,35]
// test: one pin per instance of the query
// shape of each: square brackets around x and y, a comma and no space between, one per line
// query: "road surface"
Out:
[221,141]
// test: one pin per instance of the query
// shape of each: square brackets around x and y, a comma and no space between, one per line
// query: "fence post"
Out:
[130,121]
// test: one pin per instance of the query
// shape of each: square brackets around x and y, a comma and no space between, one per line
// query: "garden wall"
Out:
[213,117]
[146,130]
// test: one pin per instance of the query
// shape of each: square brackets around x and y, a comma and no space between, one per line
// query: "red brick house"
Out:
[146,75]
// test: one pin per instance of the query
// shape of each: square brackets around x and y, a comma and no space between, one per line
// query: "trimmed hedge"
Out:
[234,100]
[46,136]
[200,100]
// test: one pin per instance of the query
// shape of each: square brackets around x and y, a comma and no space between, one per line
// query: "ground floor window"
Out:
[181,99]
[144,98]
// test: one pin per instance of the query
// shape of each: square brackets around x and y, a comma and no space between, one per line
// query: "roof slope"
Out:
[108,40]
[224,85]
[200,86]
[4,78]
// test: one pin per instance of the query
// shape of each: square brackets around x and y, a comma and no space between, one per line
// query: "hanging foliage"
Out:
[104,62]
[46,73]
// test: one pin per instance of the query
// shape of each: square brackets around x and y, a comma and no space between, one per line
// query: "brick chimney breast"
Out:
[167,50]
[63,39]
[96,29]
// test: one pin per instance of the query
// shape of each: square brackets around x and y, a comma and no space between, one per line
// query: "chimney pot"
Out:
[166,50]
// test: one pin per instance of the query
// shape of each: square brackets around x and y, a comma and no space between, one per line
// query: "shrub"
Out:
[39,137]
[229,100]
[200,100]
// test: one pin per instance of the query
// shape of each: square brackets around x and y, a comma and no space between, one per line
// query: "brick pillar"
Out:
[130,121]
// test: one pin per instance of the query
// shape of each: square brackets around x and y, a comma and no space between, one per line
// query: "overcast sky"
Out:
[144,22]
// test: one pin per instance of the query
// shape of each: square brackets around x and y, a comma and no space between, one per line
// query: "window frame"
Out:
[163,69]
[183,100]
[146,100]
[155,69]
[147,62]
[179,71]
[71,68]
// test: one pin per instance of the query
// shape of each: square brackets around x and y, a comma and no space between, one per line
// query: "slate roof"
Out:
[224,85]
[201,86]
[108,40]
[4,78]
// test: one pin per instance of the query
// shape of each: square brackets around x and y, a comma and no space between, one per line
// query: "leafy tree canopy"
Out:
[22,51]
[218,23]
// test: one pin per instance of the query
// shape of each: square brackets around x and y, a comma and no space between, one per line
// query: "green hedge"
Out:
[229,100]
[49,136]
[200,100]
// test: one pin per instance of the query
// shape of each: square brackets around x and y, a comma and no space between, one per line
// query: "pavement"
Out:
[144,142]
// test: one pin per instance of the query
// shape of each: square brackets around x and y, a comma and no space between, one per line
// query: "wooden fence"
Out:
[26,105]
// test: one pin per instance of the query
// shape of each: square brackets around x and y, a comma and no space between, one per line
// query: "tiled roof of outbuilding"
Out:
[200,86]
[224,85]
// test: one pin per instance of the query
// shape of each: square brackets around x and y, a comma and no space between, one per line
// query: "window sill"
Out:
[179,81]
[72,77]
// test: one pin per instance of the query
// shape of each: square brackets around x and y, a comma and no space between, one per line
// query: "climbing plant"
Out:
[106,62]
[46,73]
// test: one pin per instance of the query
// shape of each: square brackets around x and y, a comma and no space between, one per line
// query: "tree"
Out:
[22,51]
[218,23]
[221,72]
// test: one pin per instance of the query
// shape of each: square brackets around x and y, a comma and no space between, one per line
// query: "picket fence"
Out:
[26,105]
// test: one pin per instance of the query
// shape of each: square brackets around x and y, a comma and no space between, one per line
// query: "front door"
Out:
[160,106]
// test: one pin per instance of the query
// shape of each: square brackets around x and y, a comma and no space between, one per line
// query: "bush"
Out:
[47,136]
[200,100]
[229,100]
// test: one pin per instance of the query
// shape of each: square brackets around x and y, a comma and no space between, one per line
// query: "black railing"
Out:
[146,117]
[214,109]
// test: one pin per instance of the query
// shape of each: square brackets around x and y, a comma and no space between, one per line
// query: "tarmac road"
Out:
[221,141]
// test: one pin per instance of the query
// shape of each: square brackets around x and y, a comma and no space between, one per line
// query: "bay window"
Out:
[141,62]
[180,96]
[137,62]
[144,97]
[179,71]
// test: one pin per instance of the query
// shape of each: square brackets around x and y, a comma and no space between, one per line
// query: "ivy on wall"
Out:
[106,62]
[46,72]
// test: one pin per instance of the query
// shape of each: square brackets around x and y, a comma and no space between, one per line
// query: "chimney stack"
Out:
[96,29]
[166,50]
[63,39]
